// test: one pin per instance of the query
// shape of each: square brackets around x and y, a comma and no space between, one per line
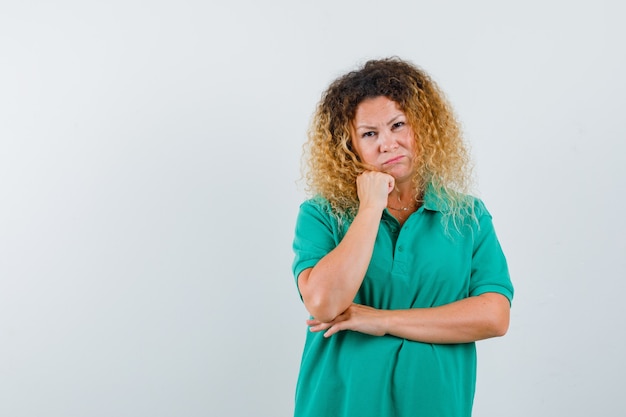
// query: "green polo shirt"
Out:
[414,266]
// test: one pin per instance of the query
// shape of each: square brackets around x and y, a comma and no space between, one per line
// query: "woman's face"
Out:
[383,139]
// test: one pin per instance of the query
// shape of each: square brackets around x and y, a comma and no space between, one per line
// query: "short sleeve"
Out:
[316,234]
[490,272]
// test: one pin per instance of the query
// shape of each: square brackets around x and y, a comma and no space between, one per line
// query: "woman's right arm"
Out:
[329,288]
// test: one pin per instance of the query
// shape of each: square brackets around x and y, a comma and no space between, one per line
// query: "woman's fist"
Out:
[373,187]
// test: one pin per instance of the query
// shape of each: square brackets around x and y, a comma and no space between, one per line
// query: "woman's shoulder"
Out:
[317,203]
[321,208]
[322,203]
[444,200]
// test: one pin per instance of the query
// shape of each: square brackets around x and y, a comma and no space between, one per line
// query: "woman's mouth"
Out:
[393,160]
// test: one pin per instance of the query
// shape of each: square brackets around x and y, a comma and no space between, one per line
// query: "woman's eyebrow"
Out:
[365,126]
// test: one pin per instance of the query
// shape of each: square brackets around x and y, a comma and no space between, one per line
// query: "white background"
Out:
[149,160]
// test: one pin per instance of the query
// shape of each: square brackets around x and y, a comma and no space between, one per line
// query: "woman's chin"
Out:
[399,173]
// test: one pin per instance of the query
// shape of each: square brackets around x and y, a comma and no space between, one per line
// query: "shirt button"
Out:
[400,248]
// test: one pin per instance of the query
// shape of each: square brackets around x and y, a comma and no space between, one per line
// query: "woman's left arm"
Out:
[468,320]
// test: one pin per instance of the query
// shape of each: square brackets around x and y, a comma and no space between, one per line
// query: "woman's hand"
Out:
[373,187]
[357,317]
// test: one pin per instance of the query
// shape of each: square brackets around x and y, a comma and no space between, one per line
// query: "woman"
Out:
[399,268]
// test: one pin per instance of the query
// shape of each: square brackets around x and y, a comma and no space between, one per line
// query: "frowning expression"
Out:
[382,137]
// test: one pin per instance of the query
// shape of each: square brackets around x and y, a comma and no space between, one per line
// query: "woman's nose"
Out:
[387,142]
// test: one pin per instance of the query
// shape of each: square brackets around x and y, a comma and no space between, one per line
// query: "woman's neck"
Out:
[402,192]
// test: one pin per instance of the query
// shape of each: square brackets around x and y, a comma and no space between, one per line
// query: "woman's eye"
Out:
[397,125]
[368,134]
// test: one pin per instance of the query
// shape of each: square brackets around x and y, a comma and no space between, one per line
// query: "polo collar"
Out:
[433,201]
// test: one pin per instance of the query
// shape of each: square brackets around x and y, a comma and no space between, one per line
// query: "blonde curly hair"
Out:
[441,157]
